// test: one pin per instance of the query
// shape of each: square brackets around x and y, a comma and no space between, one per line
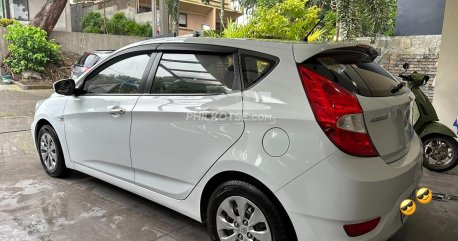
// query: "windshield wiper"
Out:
[398,87]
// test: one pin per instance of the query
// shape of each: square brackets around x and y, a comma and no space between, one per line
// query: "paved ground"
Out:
[15,102]
[34,206]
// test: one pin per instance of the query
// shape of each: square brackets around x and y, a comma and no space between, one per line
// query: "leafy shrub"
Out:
[29,48]
[4,22]
[119,24]
[212,34]
[234,30]
[287,20]
[93,22]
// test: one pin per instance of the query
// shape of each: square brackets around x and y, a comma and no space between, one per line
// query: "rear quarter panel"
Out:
[277,101]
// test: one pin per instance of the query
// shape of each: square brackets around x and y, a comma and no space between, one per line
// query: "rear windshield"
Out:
[88,60]
[355,72]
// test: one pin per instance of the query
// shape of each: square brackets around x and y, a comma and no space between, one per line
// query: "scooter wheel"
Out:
[440,153]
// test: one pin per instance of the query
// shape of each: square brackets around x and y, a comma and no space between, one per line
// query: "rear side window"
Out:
[355,72]
[189,73]
[255,68]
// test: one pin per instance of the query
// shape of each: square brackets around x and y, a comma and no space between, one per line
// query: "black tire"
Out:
[453,145]
[278,224]
[60,170]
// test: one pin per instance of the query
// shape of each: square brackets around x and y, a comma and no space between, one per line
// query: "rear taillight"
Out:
[86,69]
[338,113]
[358,229]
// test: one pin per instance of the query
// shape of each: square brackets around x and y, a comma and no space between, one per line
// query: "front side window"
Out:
[194,74]
[121,77]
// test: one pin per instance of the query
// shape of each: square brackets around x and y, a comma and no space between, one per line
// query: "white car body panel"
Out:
[95,137]
[52,110]
[335,198]
[174,143]
[318,185]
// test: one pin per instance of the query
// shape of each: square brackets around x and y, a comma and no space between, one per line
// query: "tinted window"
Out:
[88,60]
[122,77]
[194,74]
[355,72]
[254,69]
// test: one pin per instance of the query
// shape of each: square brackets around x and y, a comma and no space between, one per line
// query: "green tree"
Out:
[366,17]
[174,13]
[249,5]
[93,22]
[119,24]
[288,20]
[349,16]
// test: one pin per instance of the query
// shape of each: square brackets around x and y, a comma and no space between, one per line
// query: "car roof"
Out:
[301,50]
[102,52]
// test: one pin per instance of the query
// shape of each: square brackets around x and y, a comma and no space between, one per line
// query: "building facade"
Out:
[194,15]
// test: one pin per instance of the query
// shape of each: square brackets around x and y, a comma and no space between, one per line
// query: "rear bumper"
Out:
[343,189]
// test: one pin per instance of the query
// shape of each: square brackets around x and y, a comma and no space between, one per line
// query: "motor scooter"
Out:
[439,143]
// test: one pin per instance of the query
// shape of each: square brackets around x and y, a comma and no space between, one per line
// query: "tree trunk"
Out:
[222,15]
[176,17]
[49,14]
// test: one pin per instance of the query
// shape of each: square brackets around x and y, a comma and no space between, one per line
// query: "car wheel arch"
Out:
[225,176]
[39,125]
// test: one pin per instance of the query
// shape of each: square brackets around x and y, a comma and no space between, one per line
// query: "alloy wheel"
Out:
[48,151]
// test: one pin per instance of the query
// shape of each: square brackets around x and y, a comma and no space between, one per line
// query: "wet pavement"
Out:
[34,206]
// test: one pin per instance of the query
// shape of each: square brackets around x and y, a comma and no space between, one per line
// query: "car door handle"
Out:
[116,111]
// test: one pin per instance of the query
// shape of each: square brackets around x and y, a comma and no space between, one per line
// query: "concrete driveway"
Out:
[34,206]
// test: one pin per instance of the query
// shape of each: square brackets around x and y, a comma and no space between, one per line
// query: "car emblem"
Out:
[379,118]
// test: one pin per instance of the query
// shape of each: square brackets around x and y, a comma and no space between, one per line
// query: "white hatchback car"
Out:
[260,140]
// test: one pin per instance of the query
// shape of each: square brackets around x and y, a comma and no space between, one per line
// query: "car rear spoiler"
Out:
[303,52]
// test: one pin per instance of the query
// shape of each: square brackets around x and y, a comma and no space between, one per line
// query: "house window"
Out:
[144,6]
[19,9]
[183,21]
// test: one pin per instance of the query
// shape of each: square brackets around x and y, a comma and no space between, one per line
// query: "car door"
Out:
[192,116]
[97,122]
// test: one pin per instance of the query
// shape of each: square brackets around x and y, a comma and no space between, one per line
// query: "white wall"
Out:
[446,90]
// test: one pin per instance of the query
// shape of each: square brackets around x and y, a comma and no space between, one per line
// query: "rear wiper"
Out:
[398,87]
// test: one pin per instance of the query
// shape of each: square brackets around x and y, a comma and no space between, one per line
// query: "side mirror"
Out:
[405,66]
[65,87]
